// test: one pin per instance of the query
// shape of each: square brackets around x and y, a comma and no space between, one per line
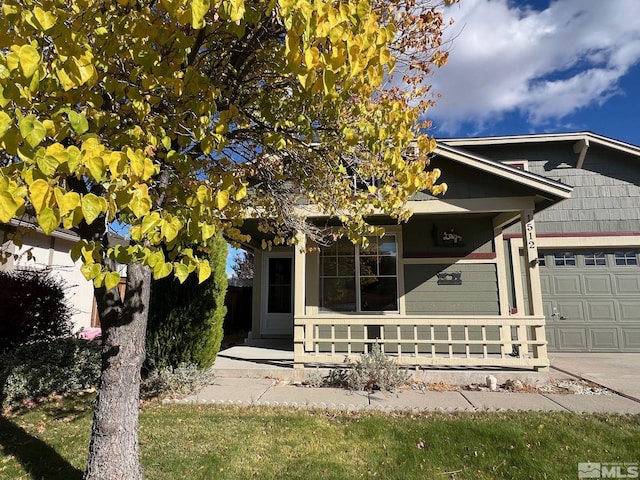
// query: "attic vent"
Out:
[520,164]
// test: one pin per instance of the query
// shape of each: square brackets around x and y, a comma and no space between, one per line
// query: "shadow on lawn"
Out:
[37,458]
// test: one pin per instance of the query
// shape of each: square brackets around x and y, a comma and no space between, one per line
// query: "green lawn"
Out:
[207,442]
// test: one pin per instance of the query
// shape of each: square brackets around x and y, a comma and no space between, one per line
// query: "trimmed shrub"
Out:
[34,307]
[373,371]
[186,320]
[176,382]
[38,369]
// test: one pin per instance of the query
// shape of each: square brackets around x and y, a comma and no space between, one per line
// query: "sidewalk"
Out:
[268,392]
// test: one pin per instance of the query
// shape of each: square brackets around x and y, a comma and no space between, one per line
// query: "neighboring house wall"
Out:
[53,251]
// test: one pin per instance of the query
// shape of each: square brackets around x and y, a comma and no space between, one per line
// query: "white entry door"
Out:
[277,294]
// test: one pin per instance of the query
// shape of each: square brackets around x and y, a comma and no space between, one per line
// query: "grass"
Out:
[206,442]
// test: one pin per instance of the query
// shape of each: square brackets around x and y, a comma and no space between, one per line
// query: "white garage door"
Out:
[591,300]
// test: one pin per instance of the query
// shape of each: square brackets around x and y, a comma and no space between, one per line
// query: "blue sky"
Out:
[525,66]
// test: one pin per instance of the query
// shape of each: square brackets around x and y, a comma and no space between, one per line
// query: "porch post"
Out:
[299,310]
[530,249]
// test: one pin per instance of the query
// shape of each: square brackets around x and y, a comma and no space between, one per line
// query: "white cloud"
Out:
[506,57]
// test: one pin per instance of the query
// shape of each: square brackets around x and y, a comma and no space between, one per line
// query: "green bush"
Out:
[38,369]
[186,320]
[34,307]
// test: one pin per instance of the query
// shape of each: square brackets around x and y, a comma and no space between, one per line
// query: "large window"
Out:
[355,279]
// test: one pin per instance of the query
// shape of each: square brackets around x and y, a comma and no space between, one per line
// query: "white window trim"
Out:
[395,231]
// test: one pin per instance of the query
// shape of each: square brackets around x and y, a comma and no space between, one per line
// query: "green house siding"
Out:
[475,293]
[425,236]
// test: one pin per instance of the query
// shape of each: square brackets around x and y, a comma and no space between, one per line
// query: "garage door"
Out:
[591,300]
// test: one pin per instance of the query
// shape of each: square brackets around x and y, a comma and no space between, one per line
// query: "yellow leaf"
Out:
[96,167]
[170,229]
[29,60]
[150,222]
[5,123]
[78,122]
[241,192]
[222,199]
[154,258]
[140,203]
[204,271]
[161,270]
[47,165]
[9,206]
[45,19]
[199,9]
[111,280]
[39,193]
[92,207]
[90,271]
[48,219]
[32,130]
[66,201]
[207,230]
[181,271]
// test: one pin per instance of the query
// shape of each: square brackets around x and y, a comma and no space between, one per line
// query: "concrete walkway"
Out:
[270,392]
[250,375]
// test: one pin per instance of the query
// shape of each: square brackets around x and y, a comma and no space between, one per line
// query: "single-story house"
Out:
[458,284]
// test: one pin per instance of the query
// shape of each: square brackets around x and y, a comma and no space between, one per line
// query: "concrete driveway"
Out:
[619,372]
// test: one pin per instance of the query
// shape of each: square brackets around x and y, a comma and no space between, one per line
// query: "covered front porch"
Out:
[436,292]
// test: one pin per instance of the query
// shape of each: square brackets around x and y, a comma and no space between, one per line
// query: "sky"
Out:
[539,66]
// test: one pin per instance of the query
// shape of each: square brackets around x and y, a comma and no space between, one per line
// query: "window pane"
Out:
[378,294]
[328,267]
[387,246]
[388,266]
[368,266]
[592,259]
[338,294]
[346,267]
[344,247]
[565,259]
[626,258]
[279,299]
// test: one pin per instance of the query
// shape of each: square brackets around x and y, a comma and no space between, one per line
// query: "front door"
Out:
[277,294]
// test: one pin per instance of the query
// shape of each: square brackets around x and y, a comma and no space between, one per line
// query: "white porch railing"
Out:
[423,341]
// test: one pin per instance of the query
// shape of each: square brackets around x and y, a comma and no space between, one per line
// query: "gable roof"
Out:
[581,140]
[547,191]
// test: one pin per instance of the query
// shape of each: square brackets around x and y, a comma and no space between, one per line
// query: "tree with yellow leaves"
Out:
[181,118]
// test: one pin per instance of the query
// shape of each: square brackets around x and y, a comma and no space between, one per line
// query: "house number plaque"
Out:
[530,237]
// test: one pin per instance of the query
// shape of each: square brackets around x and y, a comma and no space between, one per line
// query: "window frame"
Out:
[357,255]
[563,256]
[595,259]
[626,256]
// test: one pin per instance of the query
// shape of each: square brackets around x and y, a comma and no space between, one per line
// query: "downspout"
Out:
[581,147]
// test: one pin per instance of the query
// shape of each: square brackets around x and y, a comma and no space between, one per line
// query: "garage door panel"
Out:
[572,339]
[604,339]
[601,311]
[569,311]
[631,339]
[629,311]
[566,285]
[628,284]
[597,285]
[545,285]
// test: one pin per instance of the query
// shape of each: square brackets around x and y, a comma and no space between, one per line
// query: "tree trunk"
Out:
[113,450]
